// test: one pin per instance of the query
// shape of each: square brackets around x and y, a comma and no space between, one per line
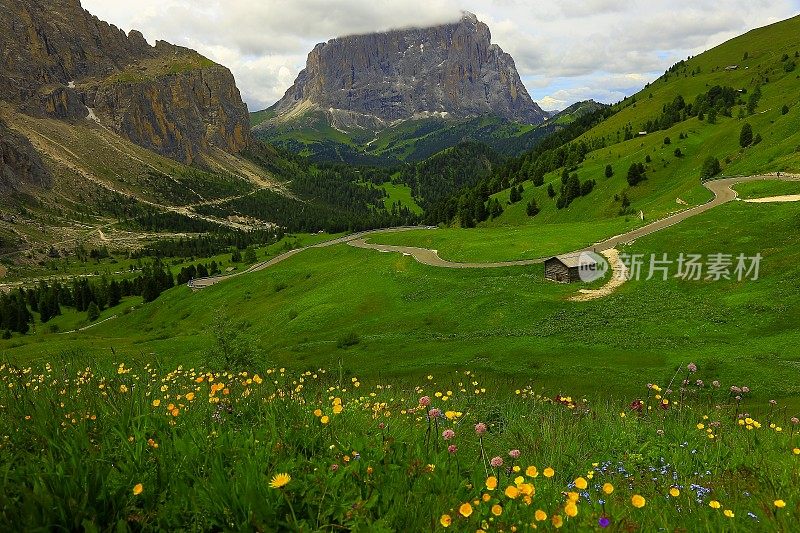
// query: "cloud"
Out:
[563,48]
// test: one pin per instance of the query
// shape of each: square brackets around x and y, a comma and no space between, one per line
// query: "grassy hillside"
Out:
[672,157]
[400,318]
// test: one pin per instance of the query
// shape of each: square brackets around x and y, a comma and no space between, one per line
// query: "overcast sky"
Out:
[565,50]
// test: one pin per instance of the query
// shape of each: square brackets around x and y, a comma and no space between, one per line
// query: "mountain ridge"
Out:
[372,80]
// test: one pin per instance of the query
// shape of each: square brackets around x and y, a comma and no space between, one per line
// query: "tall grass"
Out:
[100,447]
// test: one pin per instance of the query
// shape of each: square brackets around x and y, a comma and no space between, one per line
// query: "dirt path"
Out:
[619,275]
[770,199]
[721,188]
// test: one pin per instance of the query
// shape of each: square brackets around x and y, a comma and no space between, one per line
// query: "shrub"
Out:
[746,135]
[351,339]
[93,312]
[711,167]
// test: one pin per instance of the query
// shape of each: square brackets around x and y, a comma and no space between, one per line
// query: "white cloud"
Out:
[564,49]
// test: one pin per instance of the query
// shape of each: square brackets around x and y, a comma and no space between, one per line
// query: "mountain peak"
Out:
[380,78]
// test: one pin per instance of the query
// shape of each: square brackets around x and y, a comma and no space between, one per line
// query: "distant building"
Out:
[642,133]
[566,268]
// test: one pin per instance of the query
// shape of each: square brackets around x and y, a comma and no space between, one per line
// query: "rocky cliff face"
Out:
[20,164]
[60,61]
[452,69]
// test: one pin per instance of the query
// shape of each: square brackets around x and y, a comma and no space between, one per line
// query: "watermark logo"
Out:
[691,267]
[591,266]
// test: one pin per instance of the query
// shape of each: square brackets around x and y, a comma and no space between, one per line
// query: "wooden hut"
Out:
[565,268]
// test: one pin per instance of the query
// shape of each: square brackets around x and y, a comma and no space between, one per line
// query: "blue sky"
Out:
[565,50]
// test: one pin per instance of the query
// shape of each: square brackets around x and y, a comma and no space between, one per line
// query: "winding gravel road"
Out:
[721,188]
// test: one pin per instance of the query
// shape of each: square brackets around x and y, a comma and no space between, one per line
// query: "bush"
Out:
[7,334]
[711,167]
[532,209]
[636,174]
[351,339]
[678,152]
[609,171]
[667,141]
[785,110]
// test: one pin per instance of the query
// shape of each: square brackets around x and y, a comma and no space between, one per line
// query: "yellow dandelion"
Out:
[497,510]
[519,480]
[531,471]
[728,513]
[325,419]
[445,520]
[486,497]
[638,501]
[714,504]
[540,515]
[156,403]
[190,397]
[511,492]
[796,451]
[780,504]
[571,509]
[465,510]
[318,412]
[138,489]
[608,488]
[491,482]
[581,483]
[280,480]
[557,521]
[549,472]
[674,492]
[337,409]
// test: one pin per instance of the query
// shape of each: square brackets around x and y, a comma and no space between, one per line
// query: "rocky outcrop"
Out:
[20,165]
[452,69]
[60,61]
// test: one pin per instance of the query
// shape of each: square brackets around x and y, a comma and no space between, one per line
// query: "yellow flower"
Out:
[519,480]
[337,409]
[540,515]
[638,501]
[549,472]
[325,419]
[175,412]
[156,403]
[571,509]
[486,497]
[581,483]
[780,504]
[608,488]
[190,397]
[318,412]
[497,510]
[491,482]
[796,451]
[445,520]
[137,489]
[280,480]
[531,471]
[527,489]
[512,492]
[557,521]
[674,492]
[728,513]
[465,510]
[714,504]
[573,496]
[700,426]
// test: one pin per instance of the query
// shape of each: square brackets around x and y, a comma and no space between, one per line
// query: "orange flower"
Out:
[465,510]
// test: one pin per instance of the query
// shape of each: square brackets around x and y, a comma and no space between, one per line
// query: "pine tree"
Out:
[746,135]
[532,208]
[609,171]
[93,312]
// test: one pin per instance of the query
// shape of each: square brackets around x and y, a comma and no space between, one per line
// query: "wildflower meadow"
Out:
[100,447]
